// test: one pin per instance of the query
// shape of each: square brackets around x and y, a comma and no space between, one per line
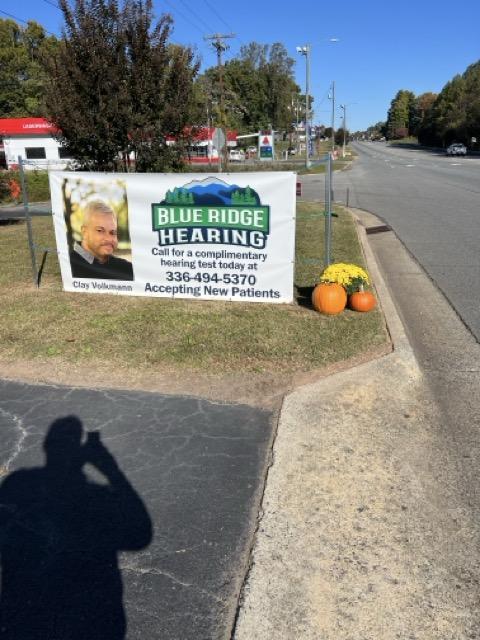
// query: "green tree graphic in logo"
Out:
[179,196]
[243,197]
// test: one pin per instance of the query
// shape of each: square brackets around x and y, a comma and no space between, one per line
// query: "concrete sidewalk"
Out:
[363,533]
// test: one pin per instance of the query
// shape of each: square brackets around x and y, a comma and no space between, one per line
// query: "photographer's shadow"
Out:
[60,534]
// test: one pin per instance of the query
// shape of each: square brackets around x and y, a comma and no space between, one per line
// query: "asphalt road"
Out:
[18,213]
[432,202]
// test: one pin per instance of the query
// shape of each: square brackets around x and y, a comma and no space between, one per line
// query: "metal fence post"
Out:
[328,211]
[26,210]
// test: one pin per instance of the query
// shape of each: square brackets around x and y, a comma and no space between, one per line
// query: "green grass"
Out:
[154,334]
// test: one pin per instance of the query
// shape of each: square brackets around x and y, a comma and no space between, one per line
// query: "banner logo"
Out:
[211,212]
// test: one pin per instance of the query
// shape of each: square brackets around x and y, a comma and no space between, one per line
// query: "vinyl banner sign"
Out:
[219,237]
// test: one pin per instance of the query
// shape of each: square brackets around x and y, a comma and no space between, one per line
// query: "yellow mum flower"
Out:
[348,275]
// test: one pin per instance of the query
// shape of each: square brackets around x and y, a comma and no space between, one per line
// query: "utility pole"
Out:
[219,45]
[305,51]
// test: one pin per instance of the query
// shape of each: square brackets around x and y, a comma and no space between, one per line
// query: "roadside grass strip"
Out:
[151,335]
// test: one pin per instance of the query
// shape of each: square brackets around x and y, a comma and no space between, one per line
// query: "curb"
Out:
[400,342]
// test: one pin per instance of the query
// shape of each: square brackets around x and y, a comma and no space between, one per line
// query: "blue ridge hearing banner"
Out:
[227,236]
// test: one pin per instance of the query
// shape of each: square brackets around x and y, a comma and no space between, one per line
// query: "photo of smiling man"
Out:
[93,256]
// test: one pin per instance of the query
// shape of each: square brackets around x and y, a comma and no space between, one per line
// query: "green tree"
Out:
[452,115]
[400,115]
[455,114]
[259,90]
[421,111]
[280,86]
[22,75]
[376,131]
[450,110]
[339,136]
[117,85]
[472,111]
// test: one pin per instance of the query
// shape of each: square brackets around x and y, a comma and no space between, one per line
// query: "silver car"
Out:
[457,149]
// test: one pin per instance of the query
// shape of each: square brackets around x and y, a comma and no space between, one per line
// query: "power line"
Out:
[9,15]
[325,97]
[217,14]
[177,10]
[195,15]
[54,4]
[213,10]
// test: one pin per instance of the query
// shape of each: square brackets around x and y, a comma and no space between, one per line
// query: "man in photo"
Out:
[93,257]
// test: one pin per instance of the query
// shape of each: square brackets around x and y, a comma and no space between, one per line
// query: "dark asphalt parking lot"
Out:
[142,531]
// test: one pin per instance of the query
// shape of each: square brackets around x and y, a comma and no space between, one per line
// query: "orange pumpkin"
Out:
[329,298]
[362,301]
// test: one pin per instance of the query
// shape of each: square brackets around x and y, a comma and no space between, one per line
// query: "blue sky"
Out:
[383,46]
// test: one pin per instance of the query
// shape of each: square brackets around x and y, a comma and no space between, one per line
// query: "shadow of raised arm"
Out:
[130,522]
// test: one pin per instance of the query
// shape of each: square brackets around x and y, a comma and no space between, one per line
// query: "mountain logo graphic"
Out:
[211,212]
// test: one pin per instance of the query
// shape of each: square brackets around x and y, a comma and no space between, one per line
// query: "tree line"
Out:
[453,115]
[114,84]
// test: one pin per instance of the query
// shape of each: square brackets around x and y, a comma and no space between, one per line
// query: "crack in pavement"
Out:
[18,424]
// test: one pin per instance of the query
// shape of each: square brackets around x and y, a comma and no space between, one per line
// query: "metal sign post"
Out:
[328,211]
[219,141]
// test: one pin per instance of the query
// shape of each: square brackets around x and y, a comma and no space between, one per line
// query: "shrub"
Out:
[37,185]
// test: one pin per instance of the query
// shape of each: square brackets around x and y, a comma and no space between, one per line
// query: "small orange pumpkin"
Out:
[362,301]
[329,298]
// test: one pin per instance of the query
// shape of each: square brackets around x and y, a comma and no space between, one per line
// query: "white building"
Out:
[32,139]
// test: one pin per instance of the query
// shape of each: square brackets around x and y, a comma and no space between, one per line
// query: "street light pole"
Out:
[297,144]
[305,51]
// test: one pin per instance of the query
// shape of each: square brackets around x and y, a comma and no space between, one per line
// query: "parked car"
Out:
[457,149]
[236,155]
[292,151]
[252,150]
